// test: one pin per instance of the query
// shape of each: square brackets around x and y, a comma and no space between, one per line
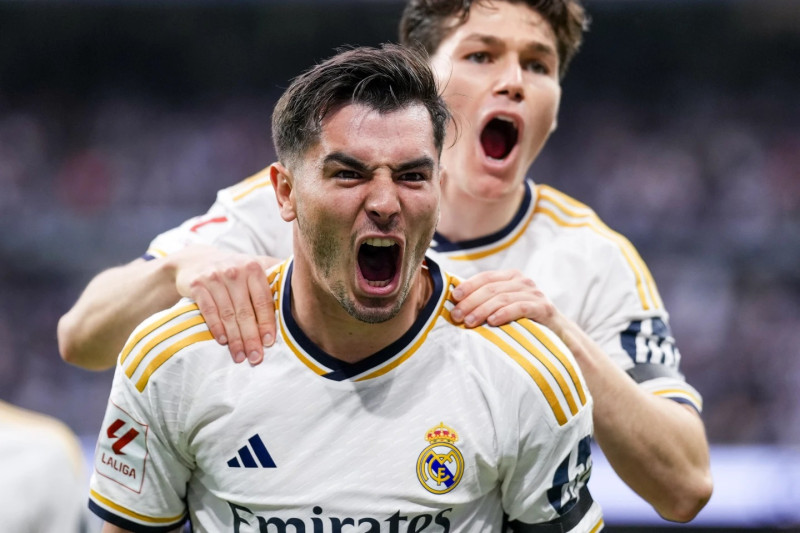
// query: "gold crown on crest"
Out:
[441,433]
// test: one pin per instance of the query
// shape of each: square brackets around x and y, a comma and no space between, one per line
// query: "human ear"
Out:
[283,184]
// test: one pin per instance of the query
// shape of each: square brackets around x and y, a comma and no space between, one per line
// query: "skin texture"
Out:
[501,62]
[344,193]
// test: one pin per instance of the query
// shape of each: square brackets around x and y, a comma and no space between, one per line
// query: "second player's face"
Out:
[367,203]
[499,72]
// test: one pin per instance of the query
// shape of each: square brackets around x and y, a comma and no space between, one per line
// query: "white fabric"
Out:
[42,483]
[305,439]
[592,274]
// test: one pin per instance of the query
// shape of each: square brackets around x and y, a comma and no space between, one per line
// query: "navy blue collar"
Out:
[442,244]
[340,370]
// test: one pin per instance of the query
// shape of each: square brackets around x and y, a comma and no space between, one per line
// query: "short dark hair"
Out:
[386,79]
[424,23]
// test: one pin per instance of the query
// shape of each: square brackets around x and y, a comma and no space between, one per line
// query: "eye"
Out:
[537,66]
[478,57]
[414,176]
[347,174]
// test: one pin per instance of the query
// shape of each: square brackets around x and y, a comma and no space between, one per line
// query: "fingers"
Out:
[499,297]
[236,301]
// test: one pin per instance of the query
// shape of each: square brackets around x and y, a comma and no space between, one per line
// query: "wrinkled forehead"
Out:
[368,136]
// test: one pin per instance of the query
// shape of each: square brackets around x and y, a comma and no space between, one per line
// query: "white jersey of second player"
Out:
[446,429]
[592,274]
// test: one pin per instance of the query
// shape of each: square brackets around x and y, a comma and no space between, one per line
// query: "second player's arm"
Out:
[230,289]
[92,333]
[657,446]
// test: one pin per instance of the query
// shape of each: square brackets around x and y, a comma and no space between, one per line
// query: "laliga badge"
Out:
[122,449]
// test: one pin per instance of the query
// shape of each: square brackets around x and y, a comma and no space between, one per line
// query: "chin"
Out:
[492,186]
[374,315]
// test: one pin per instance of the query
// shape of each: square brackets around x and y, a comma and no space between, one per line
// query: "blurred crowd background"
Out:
[679,125]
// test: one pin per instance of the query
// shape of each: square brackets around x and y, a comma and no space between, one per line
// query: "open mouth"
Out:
[377,260]
[498,138]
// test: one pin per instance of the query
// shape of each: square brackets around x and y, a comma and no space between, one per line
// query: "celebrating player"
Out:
[500,63]
[373,411]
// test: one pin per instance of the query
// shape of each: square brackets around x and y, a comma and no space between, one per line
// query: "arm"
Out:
[657,446]
[230,289]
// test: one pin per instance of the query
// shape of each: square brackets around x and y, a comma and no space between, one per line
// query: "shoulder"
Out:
[530,356]
[163,337]
[602,251]
[250,191]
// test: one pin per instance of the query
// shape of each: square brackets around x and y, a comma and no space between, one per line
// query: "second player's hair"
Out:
[386,79]
[426,23]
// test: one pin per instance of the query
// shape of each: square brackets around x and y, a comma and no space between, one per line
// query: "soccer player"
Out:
[42,484]
[501,65]
[373,411]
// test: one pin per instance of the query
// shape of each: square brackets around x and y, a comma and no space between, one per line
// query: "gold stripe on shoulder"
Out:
[162,358]
[532,371]
[598,526]
[548,364]
[152,327]
[534,330]
[161,337]
[153,520]
[585,217]
[537,376]
[248,185]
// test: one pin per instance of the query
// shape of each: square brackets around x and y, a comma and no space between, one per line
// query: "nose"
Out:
[509,83]
[382,202]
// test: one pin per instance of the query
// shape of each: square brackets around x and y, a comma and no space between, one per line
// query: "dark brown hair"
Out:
[426,23]
[386,79]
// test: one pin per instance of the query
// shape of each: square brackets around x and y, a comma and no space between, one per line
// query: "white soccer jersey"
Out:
[592,274]
[446,429]
[42,478]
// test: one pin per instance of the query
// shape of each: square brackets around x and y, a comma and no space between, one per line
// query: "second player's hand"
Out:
[497,297]
[233,295]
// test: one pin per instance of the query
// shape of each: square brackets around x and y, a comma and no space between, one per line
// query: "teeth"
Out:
[507,119]
[377,241]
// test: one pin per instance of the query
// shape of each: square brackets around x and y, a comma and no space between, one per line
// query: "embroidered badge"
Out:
[440,465]
[122,449]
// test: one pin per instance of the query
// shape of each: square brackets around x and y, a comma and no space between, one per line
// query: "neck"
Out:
[486,215]
[342,336]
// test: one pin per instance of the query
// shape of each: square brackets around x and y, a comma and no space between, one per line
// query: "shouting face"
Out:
[365,200]
[499,72]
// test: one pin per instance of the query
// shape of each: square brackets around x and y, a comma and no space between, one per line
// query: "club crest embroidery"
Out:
[440,465]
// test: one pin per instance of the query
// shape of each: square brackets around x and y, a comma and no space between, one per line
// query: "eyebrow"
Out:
[356,164]
[491,40]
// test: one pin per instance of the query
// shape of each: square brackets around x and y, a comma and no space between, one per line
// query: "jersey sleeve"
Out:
[244,218]
[141,463]
[548,464]
[625,315]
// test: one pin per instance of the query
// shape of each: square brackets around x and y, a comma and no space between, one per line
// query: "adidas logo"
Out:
[246,454]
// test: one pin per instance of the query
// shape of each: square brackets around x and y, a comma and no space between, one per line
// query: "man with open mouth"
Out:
[374,411]
[500,64]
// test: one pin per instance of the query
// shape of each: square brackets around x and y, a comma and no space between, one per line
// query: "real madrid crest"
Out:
[440,465]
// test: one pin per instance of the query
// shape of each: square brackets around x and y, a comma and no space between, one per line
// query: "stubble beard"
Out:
[325,248]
